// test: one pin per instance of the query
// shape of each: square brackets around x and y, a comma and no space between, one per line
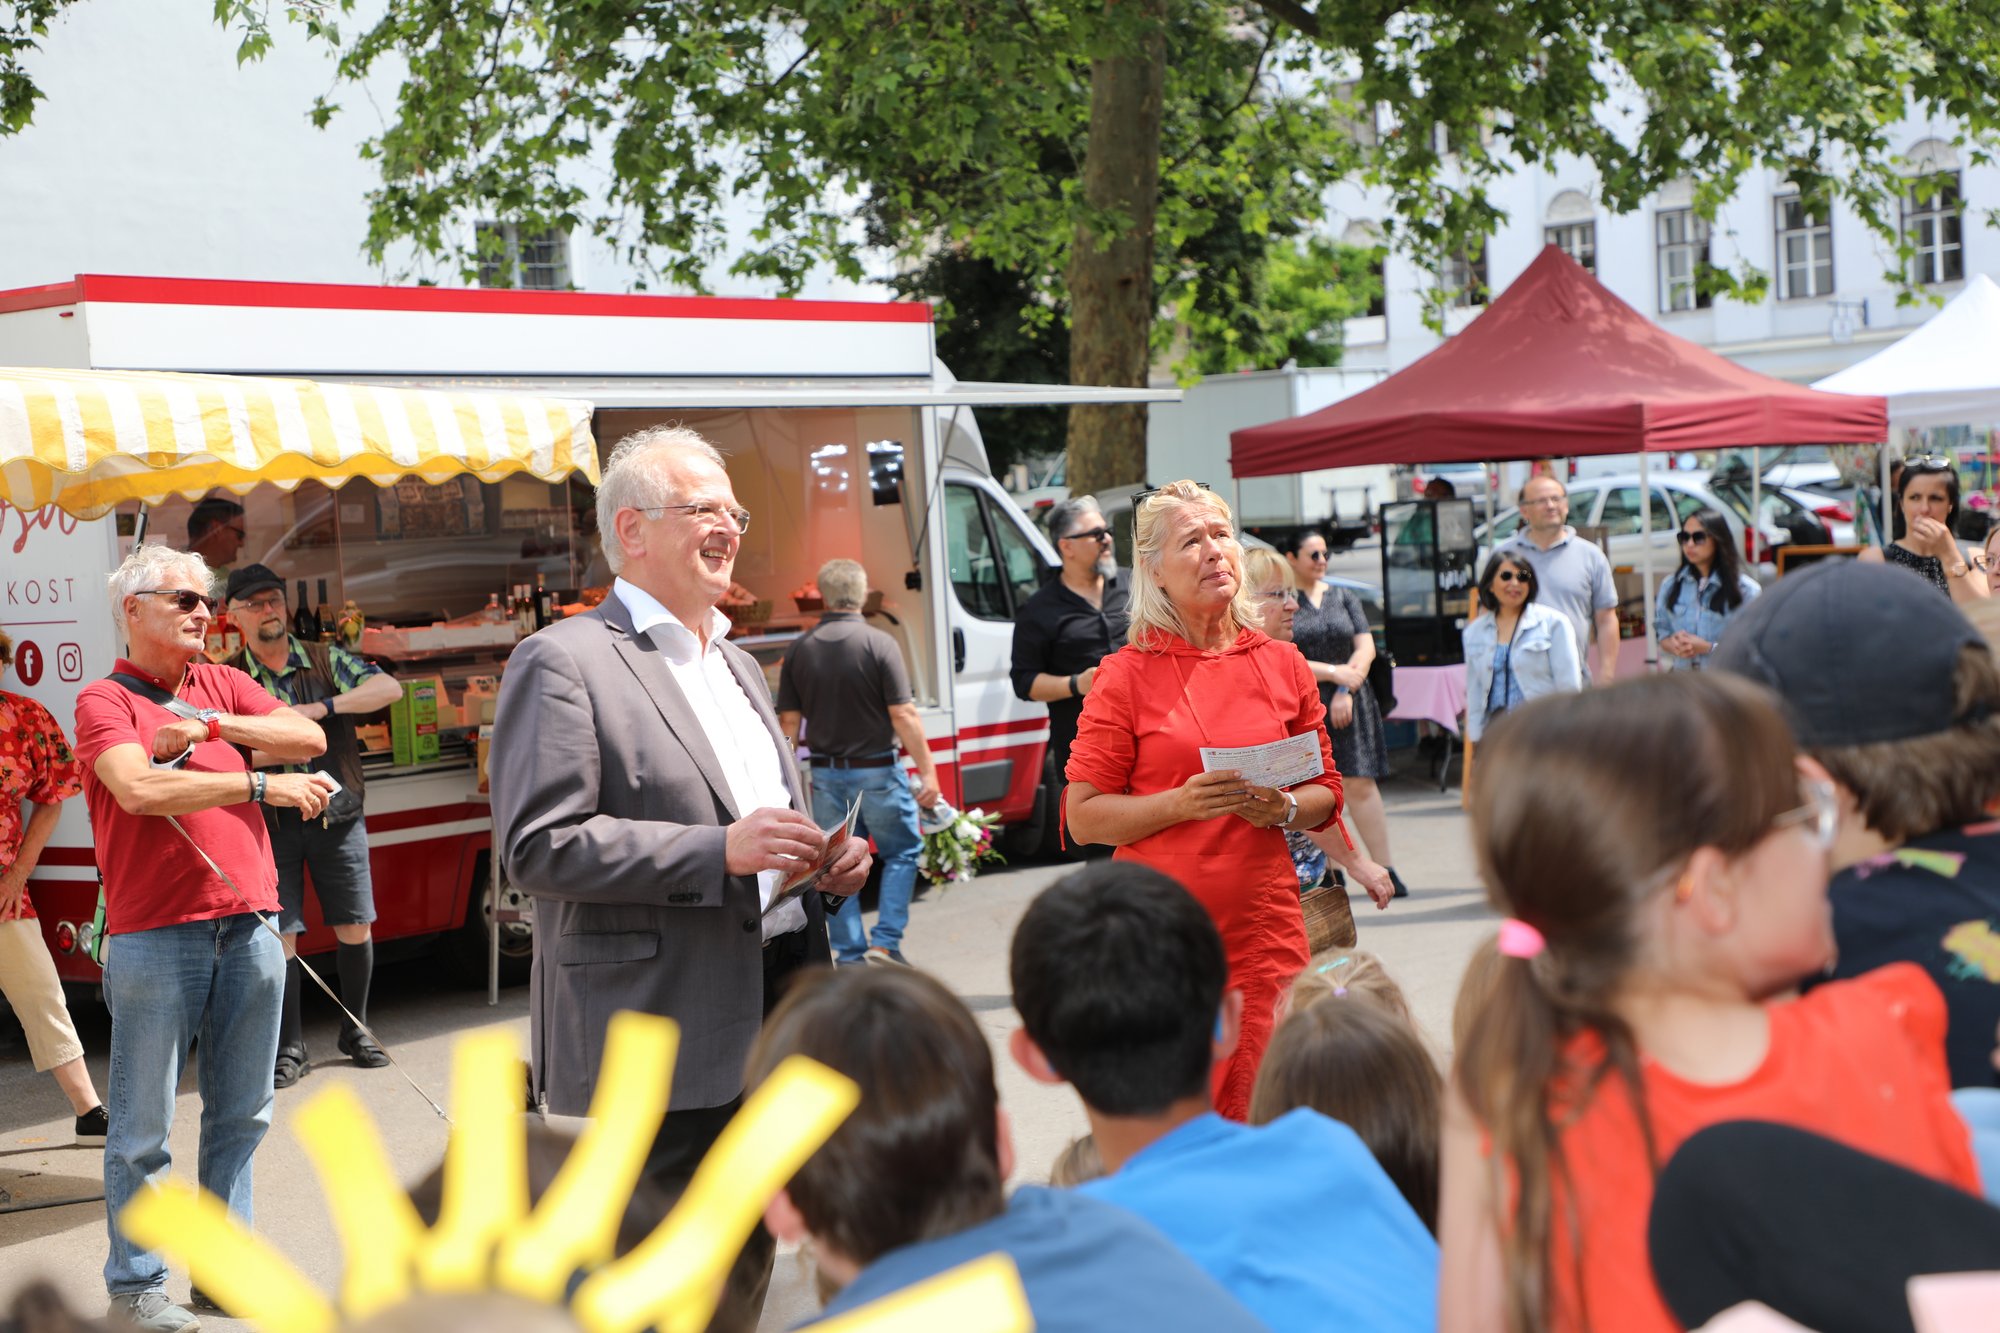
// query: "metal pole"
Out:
[1883,527]
[1756,509]
[1646,561]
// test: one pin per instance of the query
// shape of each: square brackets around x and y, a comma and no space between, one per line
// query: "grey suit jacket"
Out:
[609,808]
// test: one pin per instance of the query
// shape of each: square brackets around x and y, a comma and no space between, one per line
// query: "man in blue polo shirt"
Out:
[1118,975]
[1571,574]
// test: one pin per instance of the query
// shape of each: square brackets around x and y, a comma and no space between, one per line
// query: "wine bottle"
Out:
[323,617]
[302,621]
[545,603]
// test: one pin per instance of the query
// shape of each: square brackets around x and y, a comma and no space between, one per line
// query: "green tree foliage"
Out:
[1217,125]
[1294,309]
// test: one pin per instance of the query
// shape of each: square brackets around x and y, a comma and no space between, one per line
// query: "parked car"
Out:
[1369,595]
[1613,504]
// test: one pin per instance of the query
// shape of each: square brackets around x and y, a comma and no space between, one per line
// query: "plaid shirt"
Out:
[293,683]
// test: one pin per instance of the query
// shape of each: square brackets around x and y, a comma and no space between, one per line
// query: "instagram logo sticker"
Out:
[69,661]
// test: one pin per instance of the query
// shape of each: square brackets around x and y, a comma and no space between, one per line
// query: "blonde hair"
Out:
[1263,565]
[1077,1164]
[1153,616]
[1350,972]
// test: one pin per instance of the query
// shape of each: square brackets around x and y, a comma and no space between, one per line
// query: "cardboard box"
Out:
[413,723]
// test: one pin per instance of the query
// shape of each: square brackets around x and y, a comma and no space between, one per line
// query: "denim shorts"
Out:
[338,860]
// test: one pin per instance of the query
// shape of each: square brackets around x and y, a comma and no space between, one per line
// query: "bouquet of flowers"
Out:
[956,844]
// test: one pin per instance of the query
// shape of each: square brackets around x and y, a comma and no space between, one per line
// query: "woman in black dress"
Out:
[1332,632]
[1926,541]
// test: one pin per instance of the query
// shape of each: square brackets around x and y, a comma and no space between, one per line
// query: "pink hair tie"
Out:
[1518,939]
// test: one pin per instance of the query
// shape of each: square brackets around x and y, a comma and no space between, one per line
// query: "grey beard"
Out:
[1107,566]
[271,633]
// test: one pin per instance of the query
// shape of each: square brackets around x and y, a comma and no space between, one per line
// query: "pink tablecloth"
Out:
[1430,694]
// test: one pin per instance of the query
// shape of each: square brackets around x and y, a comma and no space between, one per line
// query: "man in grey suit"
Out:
[643,795]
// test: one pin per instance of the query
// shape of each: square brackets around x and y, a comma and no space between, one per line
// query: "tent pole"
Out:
[1645,563]
[1882,524]
[1756,508]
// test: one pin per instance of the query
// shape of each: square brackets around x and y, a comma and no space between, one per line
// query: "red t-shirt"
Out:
[35,765]
[151,876]
[1860,1062]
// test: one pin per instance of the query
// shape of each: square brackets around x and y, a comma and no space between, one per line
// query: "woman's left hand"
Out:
[1264,807]
[1350,676]
[1930,537]
[1697,646]
[1340,712]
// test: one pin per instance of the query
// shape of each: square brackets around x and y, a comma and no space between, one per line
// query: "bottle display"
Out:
[302,617]
[323,617]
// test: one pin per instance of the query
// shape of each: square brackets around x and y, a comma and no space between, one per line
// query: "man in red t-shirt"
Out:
[188,955]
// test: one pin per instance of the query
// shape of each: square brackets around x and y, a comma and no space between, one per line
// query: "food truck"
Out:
[844,434]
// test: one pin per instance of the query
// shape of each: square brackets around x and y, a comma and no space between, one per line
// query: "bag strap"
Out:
[145,689]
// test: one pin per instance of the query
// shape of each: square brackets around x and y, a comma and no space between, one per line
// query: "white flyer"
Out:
[1284,763]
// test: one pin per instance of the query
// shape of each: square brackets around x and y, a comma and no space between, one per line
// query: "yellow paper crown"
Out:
[488,1238]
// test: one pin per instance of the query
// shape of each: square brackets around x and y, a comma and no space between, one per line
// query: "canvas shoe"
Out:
[92,1127]
[887,957]
[153,1312]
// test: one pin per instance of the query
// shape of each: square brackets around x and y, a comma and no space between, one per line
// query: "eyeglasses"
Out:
[1821,810]
[706,513]
[1094,535]
[1509,576]
[1279,596]
[1691,538]
[185,599]
[269,601]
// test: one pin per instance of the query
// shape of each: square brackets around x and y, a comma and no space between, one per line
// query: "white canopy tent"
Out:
[1944,373]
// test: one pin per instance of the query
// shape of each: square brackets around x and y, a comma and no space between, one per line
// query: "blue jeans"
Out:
[889,816]
[222,981]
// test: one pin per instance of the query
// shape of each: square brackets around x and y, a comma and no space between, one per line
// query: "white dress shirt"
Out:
[742,743]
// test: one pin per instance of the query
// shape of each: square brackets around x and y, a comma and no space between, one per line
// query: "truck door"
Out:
[996,565]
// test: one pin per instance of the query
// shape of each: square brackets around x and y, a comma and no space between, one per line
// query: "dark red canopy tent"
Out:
[1557,367]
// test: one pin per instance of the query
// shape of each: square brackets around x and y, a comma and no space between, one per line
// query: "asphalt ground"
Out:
[960,935]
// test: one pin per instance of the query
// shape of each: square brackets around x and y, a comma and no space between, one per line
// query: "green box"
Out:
[413,723]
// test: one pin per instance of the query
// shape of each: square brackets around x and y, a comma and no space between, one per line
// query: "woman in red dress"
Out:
[1195,674]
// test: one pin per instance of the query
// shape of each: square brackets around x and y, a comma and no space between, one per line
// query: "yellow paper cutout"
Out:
[673,1280]
[575,1225]
[246,1276]
[380,1231]
[983,1296]
[485,1164]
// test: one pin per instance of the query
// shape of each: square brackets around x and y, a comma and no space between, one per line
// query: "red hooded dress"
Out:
[1147,716]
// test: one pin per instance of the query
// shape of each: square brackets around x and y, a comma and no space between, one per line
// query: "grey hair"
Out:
[1152,614]
[844,585]
[154,565]
[631,481]
[1063,515]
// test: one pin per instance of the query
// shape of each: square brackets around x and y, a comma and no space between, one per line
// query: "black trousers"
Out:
[686,1136]
[1821,1233]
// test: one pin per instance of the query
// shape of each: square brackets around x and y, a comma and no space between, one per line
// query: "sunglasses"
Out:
[1691,538]
[1317,557]
[1094,535]
[1821,811]
[185,600]
[1927,463]
[1509,576]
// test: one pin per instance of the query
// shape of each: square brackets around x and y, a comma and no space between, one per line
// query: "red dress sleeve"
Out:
[1106,745]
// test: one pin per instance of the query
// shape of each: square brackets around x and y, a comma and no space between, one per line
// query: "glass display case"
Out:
[1427,579]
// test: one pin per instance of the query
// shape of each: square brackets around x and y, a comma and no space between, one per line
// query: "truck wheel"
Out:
[467,946]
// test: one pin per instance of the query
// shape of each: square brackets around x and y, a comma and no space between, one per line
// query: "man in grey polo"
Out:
[845,680]
[1572,575]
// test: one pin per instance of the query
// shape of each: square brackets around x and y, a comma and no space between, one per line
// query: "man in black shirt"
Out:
[1071,624]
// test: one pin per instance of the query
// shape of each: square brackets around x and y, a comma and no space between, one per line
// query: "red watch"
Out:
[213,718]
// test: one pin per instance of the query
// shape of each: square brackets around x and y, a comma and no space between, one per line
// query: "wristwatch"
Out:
[1291,809]
[212,719]
[1957,571]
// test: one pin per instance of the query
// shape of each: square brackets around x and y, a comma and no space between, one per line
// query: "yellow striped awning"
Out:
[88,440]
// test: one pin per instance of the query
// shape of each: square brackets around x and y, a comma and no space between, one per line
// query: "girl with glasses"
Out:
[1519,650]
[1926,525]
[1332,631]
[1699,599]
[1660,851]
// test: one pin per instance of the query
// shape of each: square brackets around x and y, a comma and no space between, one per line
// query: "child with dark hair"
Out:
[910,1185]
[1118,976]
[1644,992]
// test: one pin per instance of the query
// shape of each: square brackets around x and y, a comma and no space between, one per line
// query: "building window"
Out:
[1465,275]
[537,261]
[1931,224]
[1683,240]
[1805,252]
[1578,240]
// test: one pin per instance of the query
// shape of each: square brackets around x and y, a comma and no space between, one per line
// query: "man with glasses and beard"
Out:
[328,686]
[1072,623]
[188,953]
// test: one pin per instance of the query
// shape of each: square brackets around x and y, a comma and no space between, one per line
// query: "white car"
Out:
[1613,504]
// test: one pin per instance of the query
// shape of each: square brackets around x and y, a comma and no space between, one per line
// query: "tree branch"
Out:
[1296,15]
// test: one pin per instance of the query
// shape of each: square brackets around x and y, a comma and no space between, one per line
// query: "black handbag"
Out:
[1382,680]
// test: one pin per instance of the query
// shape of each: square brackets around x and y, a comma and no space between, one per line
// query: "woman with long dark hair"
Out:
[1519,650]
[1926,525]
[1699,599]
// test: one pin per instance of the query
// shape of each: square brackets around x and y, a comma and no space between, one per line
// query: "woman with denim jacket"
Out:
[1699,599]
[1517,651]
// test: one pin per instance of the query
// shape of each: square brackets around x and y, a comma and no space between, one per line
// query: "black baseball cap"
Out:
[1860,654]
[249,579]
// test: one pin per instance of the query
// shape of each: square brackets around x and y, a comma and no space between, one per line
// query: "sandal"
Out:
[291,1066]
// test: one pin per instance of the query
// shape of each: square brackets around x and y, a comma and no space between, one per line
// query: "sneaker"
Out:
[887,957]
[359,1047]
[291,1066]
[153,1312]
[92,1127]
[201,1300]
